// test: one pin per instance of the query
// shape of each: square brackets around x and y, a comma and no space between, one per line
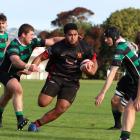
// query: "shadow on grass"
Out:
[38,136]
[78,127]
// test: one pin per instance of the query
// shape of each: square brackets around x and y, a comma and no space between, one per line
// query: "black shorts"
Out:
[60,87]
[126,88]
[5,77]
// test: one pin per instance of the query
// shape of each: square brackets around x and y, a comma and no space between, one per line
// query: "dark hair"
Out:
[25,28]
[70,26]
[137,38]
[112,32]
[3,17]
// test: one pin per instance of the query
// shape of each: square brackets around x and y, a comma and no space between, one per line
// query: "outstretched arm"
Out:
[43,56]
[17,62]
[52,41]
[106,86]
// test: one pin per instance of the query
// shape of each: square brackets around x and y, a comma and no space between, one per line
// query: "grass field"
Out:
[83,121]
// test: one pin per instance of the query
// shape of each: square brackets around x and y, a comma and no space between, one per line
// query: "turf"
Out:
[83,121]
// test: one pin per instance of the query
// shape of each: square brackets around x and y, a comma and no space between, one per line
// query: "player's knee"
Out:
[41,103]
[61,109]
[115,101]
[15,90]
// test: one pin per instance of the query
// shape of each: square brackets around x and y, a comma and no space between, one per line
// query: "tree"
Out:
[78,14]
[127,20]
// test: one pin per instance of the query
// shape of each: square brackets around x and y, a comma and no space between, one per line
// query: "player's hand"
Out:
[25,72]
[99,98]
[80,37]
[137,104]
[33,68]
[90,68]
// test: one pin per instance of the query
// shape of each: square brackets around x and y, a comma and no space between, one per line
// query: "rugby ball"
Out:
[86,63]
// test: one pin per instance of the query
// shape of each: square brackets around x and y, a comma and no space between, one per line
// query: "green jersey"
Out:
[3,44]
[125,55]
[23,51]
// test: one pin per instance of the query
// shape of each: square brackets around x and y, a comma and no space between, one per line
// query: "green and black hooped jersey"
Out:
[3,44]
[23,51]
[128,57]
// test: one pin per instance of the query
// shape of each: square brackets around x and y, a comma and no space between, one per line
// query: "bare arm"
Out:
[91,68]
[95,67]
[52,41]
[43,56]
[17,62]
[106,86]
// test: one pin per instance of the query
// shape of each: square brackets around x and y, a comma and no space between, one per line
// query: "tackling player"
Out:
[15,61]
[121,97]
[123,55]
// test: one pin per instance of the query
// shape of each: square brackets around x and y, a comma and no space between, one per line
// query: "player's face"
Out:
[28,37]
[109,41]
[72,36]
[3,26]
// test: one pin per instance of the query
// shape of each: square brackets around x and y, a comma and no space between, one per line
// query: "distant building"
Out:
[37,75]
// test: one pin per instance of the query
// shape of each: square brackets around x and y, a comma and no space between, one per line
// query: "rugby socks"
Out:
[1,112]
[19,115]
[125,135]
[37,123]
[117,118]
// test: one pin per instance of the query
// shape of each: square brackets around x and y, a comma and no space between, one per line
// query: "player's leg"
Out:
[116,102]
[6,96]
[65,98]
[116,111]
[48,92]
[128,121]
[61,106]
[4,99]
[14,88]
[129,112]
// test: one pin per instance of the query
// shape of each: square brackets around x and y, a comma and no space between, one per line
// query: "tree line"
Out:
[127,20]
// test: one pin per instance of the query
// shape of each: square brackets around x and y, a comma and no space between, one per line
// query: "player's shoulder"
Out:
[85,45]
[14,44]
[6,34]
[59,45]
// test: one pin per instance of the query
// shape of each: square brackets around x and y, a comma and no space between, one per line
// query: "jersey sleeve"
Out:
[54,50]
[13,49]
[118,56]
[38,42]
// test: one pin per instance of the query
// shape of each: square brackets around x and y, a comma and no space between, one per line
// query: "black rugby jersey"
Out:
[65,59]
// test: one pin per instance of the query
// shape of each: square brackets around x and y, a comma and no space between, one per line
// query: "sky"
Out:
[40,13]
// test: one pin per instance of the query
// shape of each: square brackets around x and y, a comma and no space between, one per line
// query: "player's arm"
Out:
[17,62]
[91,68]
[43,56]
[52,41]
[7,44]
[95,66]
[106,86]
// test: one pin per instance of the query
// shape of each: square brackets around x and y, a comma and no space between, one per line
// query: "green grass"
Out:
[83,121]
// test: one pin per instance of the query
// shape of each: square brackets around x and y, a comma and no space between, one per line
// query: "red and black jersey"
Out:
[65,59]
